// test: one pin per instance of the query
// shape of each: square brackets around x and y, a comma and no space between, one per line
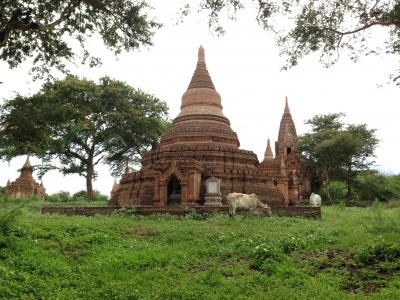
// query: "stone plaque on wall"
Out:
[213,194]
[212,187]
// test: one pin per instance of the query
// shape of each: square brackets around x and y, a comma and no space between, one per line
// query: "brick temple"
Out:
[25,185]
[199,160]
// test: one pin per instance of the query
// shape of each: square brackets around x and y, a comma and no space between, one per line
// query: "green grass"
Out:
[351,253]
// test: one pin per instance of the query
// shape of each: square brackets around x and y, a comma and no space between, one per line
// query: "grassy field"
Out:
[351,253]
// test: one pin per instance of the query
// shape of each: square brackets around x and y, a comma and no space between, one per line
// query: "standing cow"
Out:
[250,202]
[315,200]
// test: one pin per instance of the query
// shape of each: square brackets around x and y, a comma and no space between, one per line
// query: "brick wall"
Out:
[293,211]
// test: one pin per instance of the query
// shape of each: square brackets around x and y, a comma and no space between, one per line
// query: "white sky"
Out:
[244,65]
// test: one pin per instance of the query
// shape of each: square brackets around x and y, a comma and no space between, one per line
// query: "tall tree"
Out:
[326,27]
[334,150]
[320,146]
[358,145]
[44,29]
[74,124]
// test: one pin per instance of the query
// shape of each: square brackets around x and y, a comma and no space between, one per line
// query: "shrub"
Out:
[125,212]
[380,251]
[192,215]
[380,220]
[290,244]
[337,190]
[58,197]
[8,219]
[267,251]
[82,196]
[372,185]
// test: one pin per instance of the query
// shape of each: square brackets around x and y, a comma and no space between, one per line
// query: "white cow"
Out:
[315,200]
[250,202]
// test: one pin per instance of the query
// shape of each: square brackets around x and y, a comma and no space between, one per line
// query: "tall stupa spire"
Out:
[27,163]
[287,110]
[287,132]
[201,98]
[201,120]
[201,78]
[201,54]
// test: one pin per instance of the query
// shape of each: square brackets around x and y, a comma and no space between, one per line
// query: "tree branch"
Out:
[23,21]
[76,155]
[366,26]
[65,14]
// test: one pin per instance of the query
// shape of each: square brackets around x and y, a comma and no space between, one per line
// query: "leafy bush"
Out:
[192,215]
[58,197]
[266,252]
[337,190]
[7,220]
[393,185]
[380,221]
[372,185]
[380,251]
[82,196]
[125,212]
[368,186]
[290,244]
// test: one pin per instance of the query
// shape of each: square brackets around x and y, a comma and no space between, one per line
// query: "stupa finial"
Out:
[286,105]
[201,54]
[268,152]
[27,163]
[201,78]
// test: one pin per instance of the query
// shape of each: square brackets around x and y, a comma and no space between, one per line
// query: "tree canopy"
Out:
[45,30]
[326,27]
[74,124]
[334,150]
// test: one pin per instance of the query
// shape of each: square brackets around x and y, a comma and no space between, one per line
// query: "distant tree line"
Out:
[339,158]
[80,196]
[368,185]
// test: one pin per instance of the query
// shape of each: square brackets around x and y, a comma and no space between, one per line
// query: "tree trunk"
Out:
[348,182]
[327,181]
[89,181]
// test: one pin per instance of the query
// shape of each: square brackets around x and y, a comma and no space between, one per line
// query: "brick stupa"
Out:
[25,185]
[201,145]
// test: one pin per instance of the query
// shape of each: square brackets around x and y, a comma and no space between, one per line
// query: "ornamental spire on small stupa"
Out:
[268,152]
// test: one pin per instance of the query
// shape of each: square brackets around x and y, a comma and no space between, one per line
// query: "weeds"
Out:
[197,257]
[8,218]
[382,220]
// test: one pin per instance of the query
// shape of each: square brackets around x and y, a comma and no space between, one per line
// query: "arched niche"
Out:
[174,191]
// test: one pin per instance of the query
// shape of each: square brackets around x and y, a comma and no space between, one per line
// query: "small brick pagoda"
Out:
[25,185]
[198,161]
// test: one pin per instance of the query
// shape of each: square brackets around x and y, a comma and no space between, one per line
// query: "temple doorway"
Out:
[174,191]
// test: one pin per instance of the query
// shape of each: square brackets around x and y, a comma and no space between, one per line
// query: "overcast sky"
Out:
[244,65]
